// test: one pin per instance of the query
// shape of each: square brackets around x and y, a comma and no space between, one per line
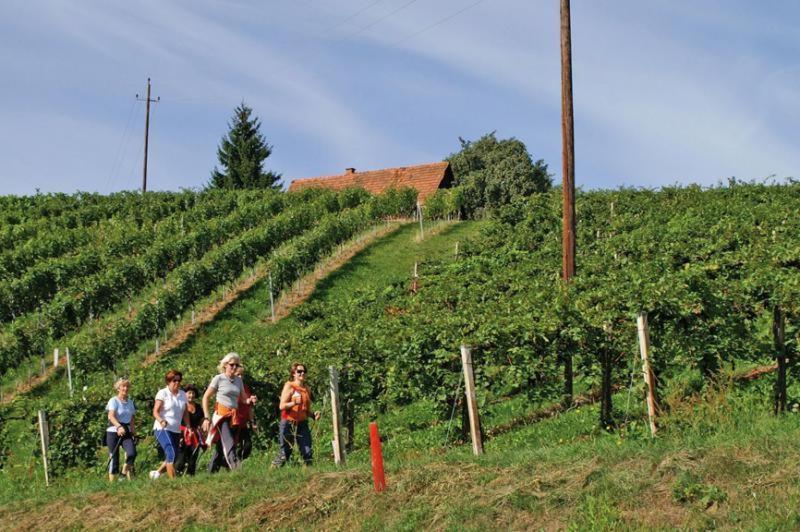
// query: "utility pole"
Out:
[147,101]
[568,187]
[568,147]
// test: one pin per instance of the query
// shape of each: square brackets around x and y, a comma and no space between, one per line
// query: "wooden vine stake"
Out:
[338,448]
[421,230]
[55,357]
[649,378]
[69,373]
[472,403]
[44,435]
[271,299]
[779,338]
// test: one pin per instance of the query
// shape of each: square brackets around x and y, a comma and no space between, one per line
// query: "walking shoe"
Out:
[154,474]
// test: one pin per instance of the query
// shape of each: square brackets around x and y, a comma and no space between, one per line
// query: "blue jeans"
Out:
[290,433]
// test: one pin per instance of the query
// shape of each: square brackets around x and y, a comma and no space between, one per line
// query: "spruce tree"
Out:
[241,154]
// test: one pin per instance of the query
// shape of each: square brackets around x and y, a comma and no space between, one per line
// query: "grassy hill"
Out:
[709,266]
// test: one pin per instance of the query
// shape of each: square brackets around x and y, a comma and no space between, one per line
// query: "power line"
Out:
[119,152]
[438,22]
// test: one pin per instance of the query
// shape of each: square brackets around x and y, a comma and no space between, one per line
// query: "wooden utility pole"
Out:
[472,403]
[649,378]
[147,101]
[568,186]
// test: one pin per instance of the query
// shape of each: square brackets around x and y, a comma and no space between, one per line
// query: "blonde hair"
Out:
[230,357]
[120,382]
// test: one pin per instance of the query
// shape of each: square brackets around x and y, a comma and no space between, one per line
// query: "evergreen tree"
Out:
[241,154]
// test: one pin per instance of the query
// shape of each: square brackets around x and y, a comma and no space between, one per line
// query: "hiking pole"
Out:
[111,455]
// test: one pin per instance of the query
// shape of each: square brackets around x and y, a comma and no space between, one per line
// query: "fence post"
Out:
[421,230]
[779,337]
[649,378]
[44,435]
[55,357]
[271,298]
[338,450]
[69,372]
[472,403]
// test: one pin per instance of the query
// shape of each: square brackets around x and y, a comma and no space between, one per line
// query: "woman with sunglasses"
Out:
[229,391]
[295,405]
[169,411]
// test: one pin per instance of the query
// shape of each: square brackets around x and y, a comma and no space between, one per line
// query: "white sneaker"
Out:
[154,474]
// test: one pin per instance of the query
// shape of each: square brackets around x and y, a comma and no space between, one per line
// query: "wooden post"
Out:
[606,407]
[456,249]
[43,367]
[69,372]
[779,337]
[472,403]
[193,317]
[338,449]
[157,346]
[378,475]
[55,357]
[421,230]
[271,298]
[649,378]
[44,435]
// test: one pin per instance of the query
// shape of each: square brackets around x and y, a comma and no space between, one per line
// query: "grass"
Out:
[560,473]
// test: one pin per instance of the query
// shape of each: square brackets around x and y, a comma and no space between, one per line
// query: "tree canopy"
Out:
[491,173]
[242,153]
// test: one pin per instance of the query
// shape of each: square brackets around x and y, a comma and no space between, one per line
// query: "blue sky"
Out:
[665,91]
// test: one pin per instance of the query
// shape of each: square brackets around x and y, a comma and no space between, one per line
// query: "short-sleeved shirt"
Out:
[228,389]
[172,408]
[124,411]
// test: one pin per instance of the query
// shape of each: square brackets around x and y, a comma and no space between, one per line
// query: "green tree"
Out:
[491,173]
[241,154]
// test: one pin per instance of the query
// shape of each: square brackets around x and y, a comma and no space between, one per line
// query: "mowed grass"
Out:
[725,463]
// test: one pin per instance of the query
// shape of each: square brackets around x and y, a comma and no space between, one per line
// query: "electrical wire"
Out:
[438,23]
[116,162]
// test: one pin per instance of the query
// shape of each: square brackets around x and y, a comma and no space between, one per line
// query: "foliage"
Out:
[241,154]
[490,173]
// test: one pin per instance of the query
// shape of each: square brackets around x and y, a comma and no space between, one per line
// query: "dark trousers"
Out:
[186,462]
[289,434]
[126,442]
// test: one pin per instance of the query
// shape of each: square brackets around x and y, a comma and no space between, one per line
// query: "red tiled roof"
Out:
[426,178]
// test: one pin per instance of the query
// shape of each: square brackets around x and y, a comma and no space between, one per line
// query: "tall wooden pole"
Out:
[568,146]
[338,448]
[146,135]
[147,101]
[568,187]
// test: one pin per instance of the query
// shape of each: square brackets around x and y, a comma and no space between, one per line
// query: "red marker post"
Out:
[378,476]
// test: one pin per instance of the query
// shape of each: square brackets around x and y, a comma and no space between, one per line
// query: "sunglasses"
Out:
[234,365]
[299,371]
[176,380]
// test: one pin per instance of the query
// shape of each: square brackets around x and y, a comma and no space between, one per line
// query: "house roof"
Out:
[426,178]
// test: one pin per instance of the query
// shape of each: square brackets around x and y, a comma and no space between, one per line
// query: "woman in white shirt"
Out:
[169,411]
[120,431]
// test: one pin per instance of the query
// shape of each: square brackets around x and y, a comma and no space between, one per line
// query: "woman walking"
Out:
[295,405]
[229,391]
[121,430]
[192,440]
[169,411]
